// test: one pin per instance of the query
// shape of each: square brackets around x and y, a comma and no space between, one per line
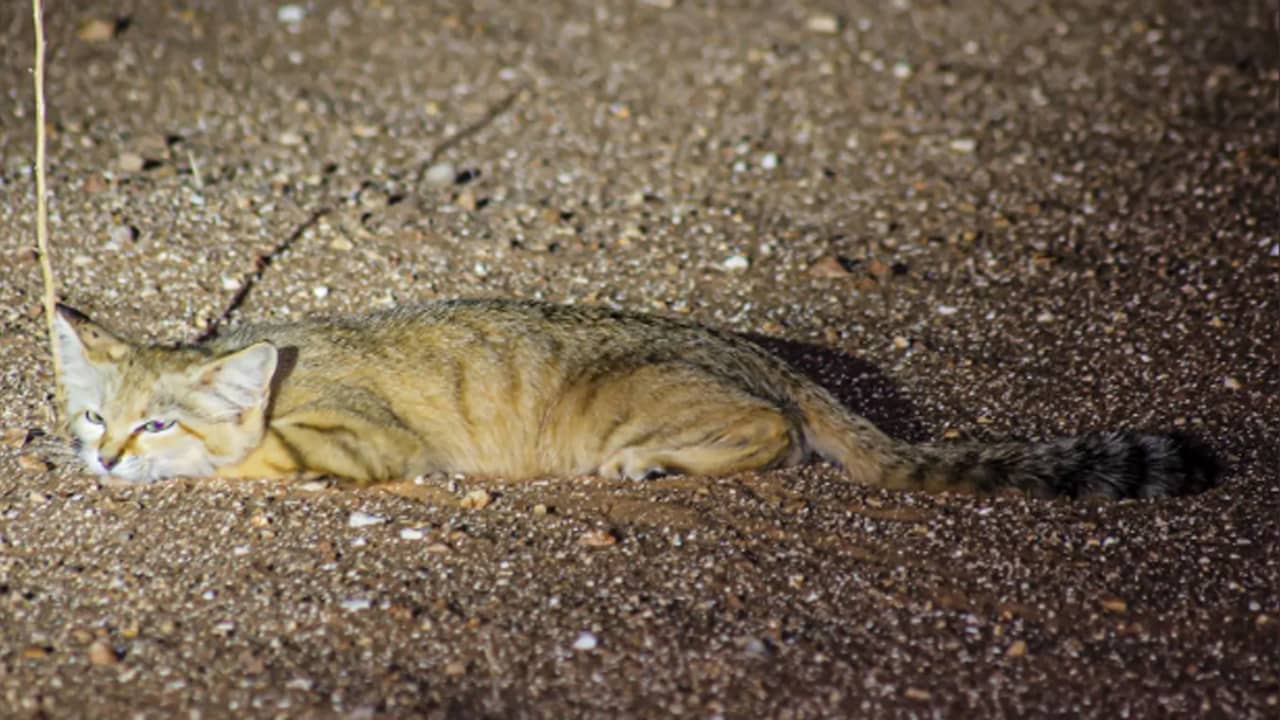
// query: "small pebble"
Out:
[31,463]
[1231,383]
[291,13]
[466,200]
[355,604]
[101,653]
[900,342]
[902,70]
[412,533]
[289,138]
[477,500]
[373,198]
[823,23]
[769,161]
[585,641]
[915,693]
[964,145]
[96,30]
[440,175]
[598,538]
[130,162]
[829,266]
[360,519]
[320,292]
[735,263]
[947,309]
[121,234]
[1017,649]
[1115,605]
[15,437]
[34,652]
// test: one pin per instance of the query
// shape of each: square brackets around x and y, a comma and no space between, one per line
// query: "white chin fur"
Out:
[191,464]
[131,470]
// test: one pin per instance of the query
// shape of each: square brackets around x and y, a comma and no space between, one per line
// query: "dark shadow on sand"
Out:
[856,383]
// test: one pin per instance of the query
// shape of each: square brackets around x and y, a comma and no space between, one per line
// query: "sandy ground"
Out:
[974,219]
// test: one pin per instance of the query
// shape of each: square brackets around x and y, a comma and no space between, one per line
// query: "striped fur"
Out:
[523,389]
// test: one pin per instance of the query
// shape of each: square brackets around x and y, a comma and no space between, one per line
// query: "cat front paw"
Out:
[625,465]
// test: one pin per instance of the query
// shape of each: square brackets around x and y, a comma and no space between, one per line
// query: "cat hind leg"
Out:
[728,437]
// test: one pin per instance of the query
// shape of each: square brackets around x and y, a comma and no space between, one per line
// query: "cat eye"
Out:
[94,417]
[155,426]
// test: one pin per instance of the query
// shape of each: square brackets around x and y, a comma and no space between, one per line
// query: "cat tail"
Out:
[1110,464]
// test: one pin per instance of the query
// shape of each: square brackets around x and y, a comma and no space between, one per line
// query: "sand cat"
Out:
[525,389]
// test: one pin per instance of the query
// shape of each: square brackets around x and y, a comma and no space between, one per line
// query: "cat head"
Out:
[143,413]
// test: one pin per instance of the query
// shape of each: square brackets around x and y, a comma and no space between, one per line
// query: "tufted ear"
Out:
[231,384]
[83,347]
[75,332]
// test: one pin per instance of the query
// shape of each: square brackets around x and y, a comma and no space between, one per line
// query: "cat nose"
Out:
[107,462]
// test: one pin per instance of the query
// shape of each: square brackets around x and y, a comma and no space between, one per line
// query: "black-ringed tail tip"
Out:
[1115,465]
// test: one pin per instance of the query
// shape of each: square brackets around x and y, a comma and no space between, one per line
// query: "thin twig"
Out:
[42,209]
[494,112]
[195,171]
[251,278]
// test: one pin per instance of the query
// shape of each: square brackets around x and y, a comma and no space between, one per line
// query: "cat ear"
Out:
[237,382]
[74,333]
[82,345]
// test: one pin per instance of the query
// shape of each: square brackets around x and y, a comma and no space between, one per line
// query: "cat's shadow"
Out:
[856,383]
